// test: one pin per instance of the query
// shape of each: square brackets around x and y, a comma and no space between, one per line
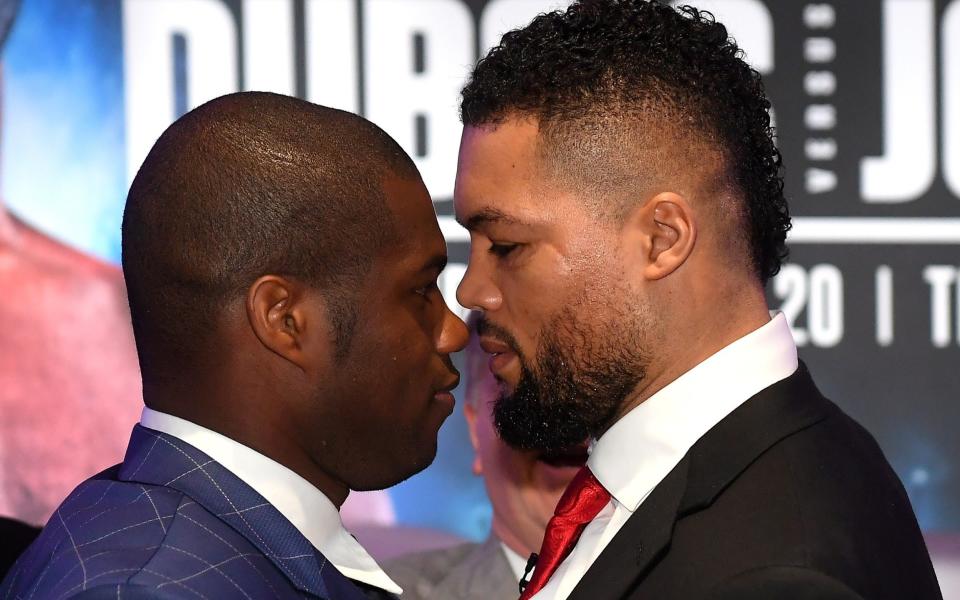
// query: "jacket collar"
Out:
[711,465]
[155,458]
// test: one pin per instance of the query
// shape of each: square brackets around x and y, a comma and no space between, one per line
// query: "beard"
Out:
[577,384]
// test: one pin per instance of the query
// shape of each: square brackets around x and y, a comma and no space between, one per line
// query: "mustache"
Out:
[487,328]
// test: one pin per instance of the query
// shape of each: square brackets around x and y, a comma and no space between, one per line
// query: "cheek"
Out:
[531,297]
[399,358]
[535,303]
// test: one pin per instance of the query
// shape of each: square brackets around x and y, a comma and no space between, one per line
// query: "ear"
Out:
[279,316]
[667,229]
[470,414]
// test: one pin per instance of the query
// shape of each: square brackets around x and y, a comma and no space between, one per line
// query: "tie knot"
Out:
[583,498]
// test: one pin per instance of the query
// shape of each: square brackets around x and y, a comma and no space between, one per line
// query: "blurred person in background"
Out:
[523,488]
[69,381]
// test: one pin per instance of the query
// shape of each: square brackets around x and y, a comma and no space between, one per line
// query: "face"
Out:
[564,324]
[393,384]
[523,486]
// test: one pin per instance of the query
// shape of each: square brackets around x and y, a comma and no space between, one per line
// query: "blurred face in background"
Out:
[523,486]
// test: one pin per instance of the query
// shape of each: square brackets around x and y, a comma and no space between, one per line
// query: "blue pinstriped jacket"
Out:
[170,522]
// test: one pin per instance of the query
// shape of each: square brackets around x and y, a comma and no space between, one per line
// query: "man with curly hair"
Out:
[625,203]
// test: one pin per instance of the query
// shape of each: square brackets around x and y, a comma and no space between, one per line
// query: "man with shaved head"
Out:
[281,260]
[624,197]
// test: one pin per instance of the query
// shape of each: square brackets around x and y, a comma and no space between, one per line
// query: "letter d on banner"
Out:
[149,27]
[417,55]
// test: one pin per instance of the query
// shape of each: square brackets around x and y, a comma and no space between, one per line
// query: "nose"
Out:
[478,292]
[453,333]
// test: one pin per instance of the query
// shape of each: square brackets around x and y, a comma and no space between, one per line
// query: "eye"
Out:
[426,290]
[502,250]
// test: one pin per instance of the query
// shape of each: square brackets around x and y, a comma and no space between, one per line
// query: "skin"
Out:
[523,489]
[366,421]
[537,248]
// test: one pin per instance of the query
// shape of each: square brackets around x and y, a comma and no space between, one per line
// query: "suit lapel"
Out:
[639,543]
[731,446]
[711,465]
[156,458]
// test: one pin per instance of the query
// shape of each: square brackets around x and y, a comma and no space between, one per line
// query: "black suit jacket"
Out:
[786,498]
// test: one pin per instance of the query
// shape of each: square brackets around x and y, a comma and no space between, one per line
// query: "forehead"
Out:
[498,169]
[419,239]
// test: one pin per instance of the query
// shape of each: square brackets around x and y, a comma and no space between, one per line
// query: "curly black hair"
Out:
[604,66]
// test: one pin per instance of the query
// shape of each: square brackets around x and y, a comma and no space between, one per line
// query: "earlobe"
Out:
[277,317]
[671,233]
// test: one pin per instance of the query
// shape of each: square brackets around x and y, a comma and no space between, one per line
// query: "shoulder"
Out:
[105,530]
[784,583]
[826,500]
[433,559]
[837,465]
[418,573]
[143,541]
[124,591]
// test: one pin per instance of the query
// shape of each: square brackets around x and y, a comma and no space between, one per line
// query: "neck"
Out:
[248,415]
[696,340]
[522,545]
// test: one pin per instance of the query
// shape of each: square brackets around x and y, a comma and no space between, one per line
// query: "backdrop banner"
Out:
[866,99]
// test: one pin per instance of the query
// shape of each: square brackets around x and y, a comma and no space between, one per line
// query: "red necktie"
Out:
[580,503]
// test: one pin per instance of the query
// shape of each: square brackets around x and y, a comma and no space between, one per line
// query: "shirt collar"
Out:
[640,449]
[307,508]
[518,564]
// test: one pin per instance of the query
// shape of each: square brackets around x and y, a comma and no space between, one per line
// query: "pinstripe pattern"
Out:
[169,522]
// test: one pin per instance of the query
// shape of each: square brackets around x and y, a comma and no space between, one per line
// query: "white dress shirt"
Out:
[518,564]
[640,449]
[307,508]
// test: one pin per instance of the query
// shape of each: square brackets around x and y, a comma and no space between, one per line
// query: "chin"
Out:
[399,472]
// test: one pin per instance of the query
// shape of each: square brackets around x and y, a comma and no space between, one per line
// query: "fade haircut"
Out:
[629,95]
[247,185]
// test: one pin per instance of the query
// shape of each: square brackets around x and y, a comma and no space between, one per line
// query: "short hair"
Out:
[8,12]
[606,80]
[246,185]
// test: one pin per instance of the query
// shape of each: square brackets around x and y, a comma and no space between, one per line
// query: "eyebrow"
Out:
[437,262]
[486,216]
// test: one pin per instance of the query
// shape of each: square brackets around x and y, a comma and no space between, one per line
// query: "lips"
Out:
[444,393]
[451,384]
[502,355]
[494,346]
